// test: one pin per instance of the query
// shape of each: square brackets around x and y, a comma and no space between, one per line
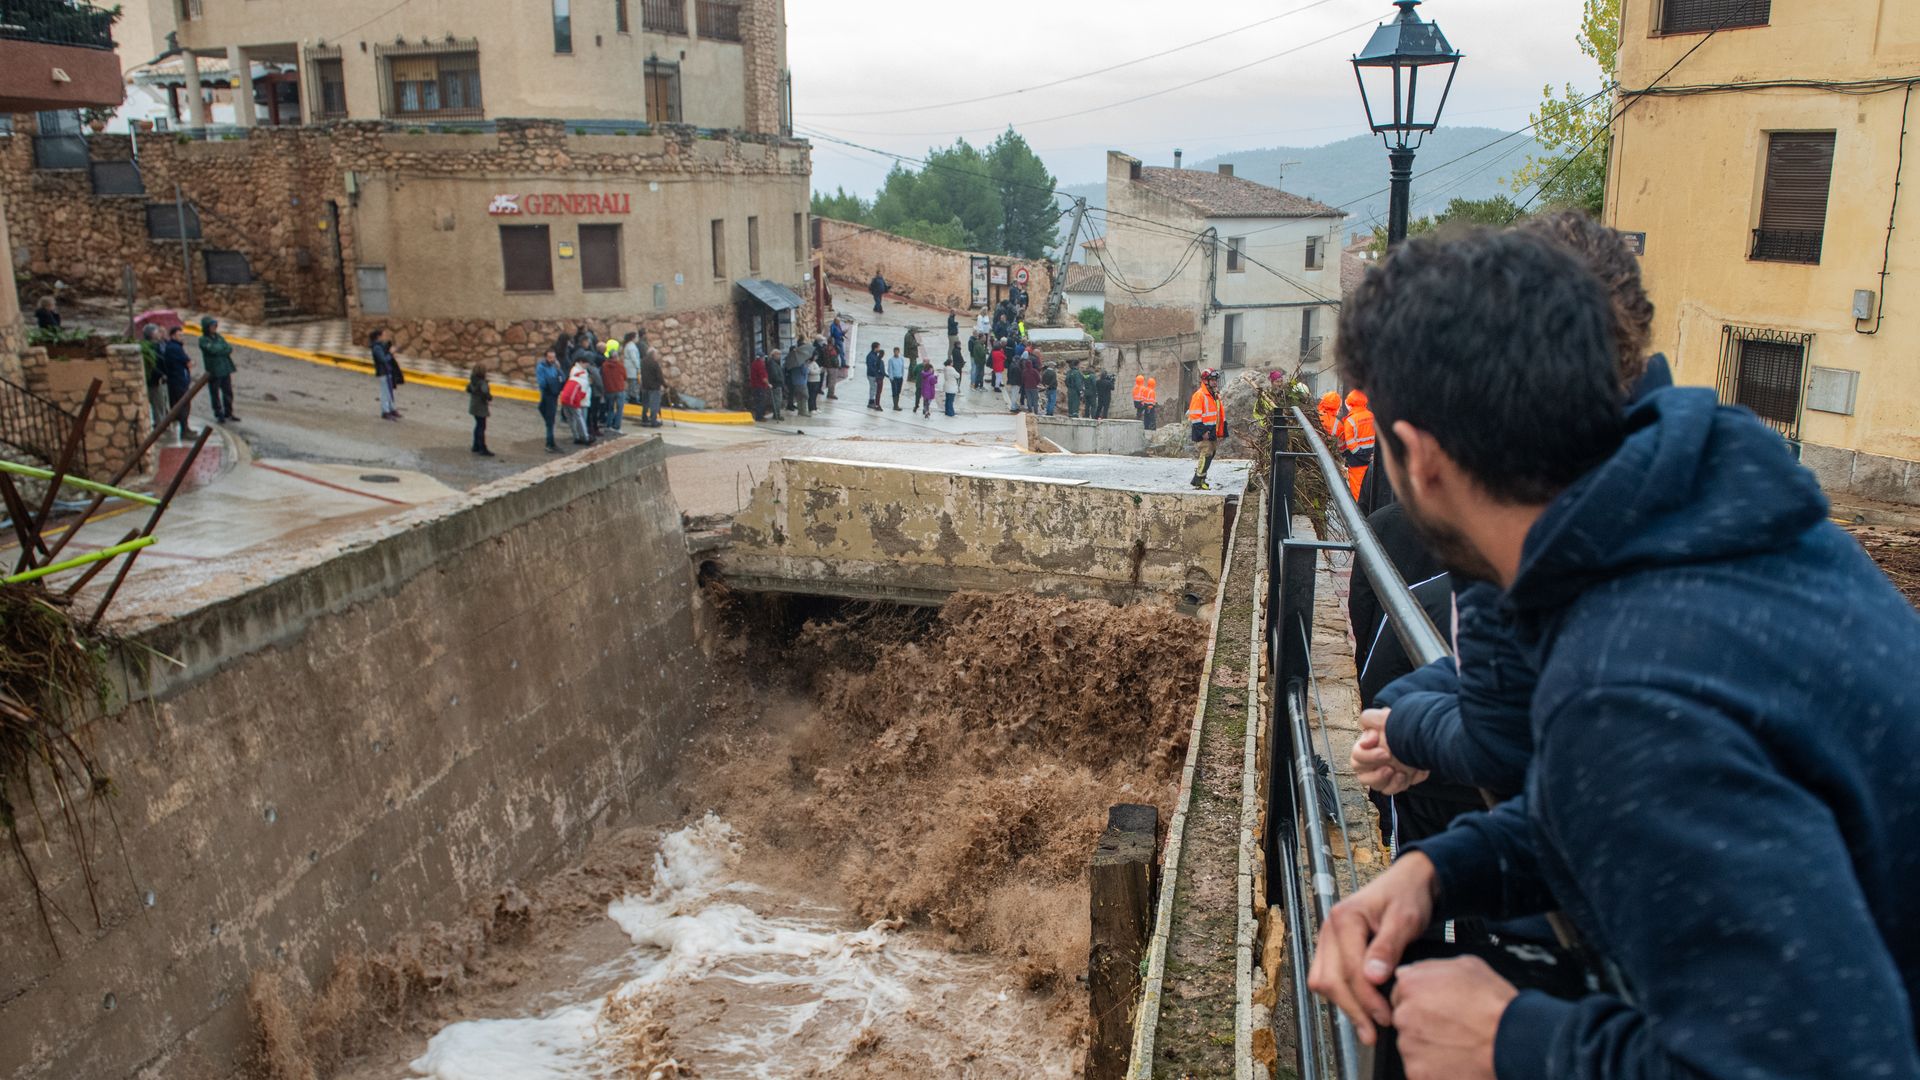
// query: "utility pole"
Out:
[1058,297]
[186,253]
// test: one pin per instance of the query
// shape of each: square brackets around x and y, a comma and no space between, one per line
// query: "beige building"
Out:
[1765,171]
[474,175]
[717,64]
[1216,271]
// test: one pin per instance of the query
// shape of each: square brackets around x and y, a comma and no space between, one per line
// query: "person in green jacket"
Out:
[911,348]
[1075,384]
[216,359]
[156,380]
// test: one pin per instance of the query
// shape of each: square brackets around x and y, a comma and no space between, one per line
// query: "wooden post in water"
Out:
[1121,879]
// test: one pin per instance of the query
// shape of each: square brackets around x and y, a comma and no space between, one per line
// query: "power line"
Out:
[1082,75]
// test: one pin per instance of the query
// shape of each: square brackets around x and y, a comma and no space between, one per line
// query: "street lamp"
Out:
[1392,62]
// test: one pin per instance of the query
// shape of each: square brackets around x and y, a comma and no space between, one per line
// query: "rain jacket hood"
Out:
[1356,399]
[1695,481]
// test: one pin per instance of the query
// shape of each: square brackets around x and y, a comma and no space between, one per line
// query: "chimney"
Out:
[1226,169]
[1176,159]
[1133,170]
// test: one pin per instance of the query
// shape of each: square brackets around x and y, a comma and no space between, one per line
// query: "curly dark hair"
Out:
[1603,250]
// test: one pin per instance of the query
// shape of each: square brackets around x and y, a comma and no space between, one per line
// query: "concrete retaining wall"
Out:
[358,747]
[1090,436]
[1844,472]
[919,535]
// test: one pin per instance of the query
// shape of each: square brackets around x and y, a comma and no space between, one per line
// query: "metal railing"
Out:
[719,19]
[1788,245]
[37,425]
[1297,813]
[57,22]
[664,16]
[62,151]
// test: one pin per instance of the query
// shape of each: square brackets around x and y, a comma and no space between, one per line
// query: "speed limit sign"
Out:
[1020,275]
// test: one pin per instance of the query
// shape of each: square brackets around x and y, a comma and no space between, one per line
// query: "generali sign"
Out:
[556,205]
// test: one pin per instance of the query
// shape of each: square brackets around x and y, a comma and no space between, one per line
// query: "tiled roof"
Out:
[1353,268]
[1082,278]
[1216,195]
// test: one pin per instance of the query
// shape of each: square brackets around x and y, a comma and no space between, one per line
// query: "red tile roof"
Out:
[1216,195]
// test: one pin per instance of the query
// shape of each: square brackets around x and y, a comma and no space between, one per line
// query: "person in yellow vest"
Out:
[1151,414]
[1209,424]
[1330,414]
[1139,397]
[1357,440]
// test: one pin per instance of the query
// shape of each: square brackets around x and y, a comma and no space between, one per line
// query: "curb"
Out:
[500,389]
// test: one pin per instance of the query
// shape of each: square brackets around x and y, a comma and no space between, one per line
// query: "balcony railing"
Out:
[1312,349]
[57,22]
[37,425]
[664,16]
[1233,354]
[60,152]
[719,20]
[1788,245]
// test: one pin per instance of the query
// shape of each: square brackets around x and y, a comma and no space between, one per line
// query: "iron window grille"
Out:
[664,16]
[329,82]
[1766,371]
[163,222]
[719,20]
[227,268]
[432,81]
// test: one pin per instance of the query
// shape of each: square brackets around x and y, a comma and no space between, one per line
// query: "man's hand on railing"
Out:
[1447,1014]
[1373,762]
[1364,936]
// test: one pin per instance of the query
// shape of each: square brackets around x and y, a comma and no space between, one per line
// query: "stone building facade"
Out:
[401,228]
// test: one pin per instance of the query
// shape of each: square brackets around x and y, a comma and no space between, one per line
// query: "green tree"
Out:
[1093,320]
[839,206]
[1495,212]
[1028,212]
[1573,175]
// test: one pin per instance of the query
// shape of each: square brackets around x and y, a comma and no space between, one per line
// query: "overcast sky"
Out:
[863,56]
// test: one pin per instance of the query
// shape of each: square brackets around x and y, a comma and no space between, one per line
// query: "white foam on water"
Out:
[750,993]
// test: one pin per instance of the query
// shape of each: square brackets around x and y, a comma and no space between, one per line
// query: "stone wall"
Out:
[1136,322]
[353,740]
[936,277]
[121,418]
[1849,473]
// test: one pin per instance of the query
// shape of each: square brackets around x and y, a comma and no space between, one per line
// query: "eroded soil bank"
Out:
[878,868]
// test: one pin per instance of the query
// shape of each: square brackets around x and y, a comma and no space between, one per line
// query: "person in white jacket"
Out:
[950,381]
[578,397]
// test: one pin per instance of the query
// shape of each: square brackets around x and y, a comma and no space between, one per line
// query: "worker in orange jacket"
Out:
[1139,397]
[1209,424]
[1151,414]
[1330,413]
[1357,439]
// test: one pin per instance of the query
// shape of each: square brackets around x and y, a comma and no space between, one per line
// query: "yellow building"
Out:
[1760,147]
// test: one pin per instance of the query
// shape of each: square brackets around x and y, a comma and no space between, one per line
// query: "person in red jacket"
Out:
[613,378]
[760,389]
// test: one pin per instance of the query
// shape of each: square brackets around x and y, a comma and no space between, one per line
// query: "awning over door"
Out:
[775,296]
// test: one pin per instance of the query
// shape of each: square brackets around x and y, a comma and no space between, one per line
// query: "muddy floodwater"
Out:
[738,979]
[877,867]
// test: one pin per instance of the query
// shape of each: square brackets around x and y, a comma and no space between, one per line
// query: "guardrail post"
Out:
[1120,878]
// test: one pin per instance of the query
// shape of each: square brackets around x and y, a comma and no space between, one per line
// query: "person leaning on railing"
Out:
[1725,720]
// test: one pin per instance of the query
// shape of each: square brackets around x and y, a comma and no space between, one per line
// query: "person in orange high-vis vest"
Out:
[1330,414]
[1357,437]
[1208,422]
[1151,414]
[1139,397]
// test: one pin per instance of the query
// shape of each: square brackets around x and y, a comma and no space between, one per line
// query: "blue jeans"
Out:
[549,408]
[1052,396]
[950,411]
[616,410]
[652,415]
[1031,397]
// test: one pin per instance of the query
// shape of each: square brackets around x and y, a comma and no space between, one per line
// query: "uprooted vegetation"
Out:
[956,769]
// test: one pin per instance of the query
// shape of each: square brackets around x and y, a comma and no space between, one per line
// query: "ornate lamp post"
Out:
[1388,70]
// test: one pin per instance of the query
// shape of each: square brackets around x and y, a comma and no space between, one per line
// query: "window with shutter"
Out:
[527,256]
[600,257]
[1766,371]
[1236,247]
[1699,16]
[1793,199]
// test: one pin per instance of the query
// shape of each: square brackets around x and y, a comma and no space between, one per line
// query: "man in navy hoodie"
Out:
[1722,795]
